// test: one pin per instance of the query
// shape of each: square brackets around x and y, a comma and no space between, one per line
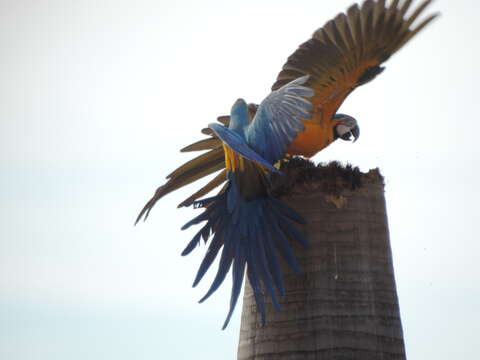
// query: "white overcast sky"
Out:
[99,96]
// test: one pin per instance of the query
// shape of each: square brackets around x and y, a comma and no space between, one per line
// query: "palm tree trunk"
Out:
[344,304]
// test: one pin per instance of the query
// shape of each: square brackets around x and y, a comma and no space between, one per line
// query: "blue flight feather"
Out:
[252,232]
[293,233]
[285,210]
[226,260]
[238,144]
[255,238]
[264,271]
[278,116]
[272,262]
[256,287]
[193,243]
[210,256]
[283,245]
[237,279]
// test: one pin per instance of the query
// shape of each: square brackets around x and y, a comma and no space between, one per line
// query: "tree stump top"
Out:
[334,180]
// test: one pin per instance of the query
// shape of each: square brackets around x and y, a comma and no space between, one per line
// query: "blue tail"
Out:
[252,233]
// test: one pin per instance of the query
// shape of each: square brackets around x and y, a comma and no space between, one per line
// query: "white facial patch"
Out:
[342,129]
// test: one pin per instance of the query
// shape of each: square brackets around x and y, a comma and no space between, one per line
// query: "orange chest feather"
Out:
[314,138]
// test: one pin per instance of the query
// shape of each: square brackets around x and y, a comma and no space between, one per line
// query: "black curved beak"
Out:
[355,132]
[346,127]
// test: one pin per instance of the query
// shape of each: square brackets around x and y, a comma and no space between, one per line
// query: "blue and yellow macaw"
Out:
[247,225]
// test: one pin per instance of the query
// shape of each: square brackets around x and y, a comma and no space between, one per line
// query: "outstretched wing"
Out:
[348,51]
[189,172]
[278,120]
[197,168]
[237,144]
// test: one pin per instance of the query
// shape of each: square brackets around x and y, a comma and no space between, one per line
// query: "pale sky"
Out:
[99,96]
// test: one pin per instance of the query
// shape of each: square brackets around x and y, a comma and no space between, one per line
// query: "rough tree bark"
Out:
[344,304]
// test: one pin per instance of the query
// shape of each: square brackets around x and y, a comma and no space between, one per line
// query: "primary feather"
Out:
[278,119]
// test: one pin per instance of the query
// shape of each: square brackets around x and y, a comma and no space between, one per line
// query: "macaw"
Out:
[299,117]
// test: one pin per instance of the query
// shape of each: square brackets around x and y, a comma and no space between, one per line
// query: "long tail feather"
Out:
[249,233]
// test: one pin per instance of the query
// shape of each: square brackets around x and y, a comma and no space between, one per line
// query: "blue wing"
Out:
[238,144]
[277,120]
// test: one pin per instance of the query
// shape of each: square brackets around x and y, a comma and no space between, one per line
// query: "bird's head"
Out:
[239,116]
[346,128]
